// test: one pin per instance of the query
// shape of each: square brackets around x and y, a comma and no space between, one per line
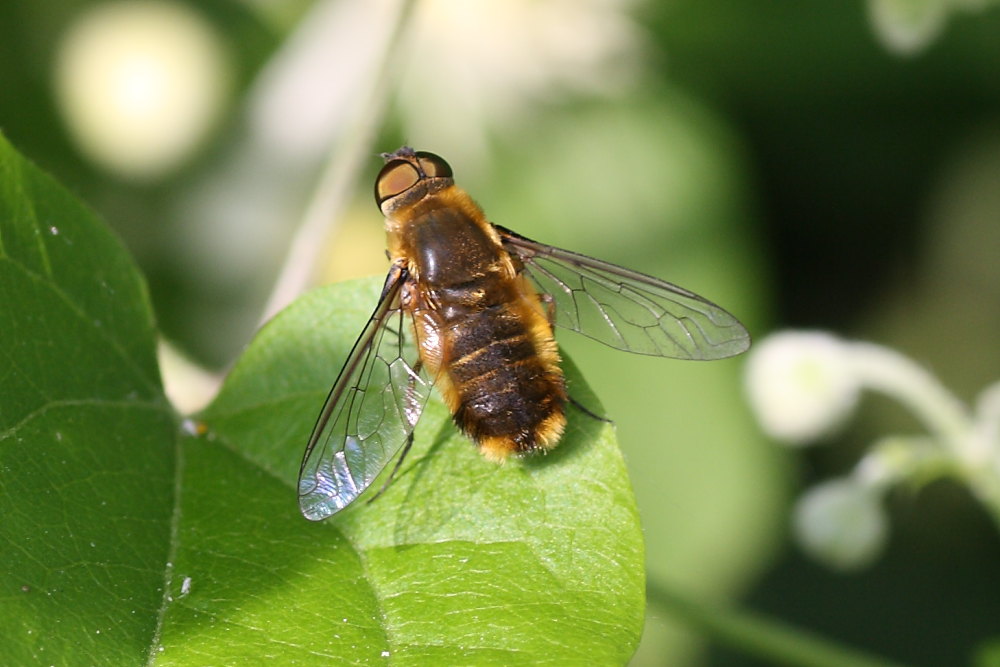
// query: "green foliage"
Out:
[87,451]
[453,537]
[124,536]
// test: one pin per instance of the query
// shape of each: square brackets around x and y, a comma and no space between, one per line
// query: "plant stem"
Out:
[897,376]
[757,635]
[970,445]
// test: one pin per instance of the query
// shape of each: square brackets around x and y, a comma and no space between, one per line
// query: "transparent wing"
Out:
[370,412]
[626,309]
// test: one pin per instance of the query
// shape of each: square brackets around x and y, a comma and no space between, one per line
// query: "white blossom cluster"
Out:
[803,385]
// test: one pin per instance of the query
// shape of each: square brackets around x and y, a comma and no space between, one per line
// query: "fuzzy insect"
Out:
[468,306]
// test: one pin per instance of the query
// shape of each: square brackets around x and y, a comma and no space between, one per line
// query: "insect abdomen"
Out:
[509,393]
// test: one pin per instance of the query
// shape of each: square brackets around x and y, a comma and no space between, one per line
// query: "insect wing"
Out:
[369,414]
[625,309]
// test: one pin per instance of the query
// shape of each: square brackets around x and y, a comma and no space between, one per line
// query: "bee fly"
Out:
[468,306]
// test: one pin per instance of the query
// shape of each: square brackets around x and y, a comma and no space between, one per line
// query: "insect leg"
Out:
[587,411]
[395,468]
[406,448]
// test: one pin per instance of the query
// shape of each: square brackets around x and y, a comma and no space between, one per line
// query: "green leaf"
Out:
[125,540]
[460,560]
[86,438]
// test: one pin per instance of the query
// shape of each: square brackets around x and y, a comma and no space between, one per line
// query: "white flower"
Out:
[801,384]
[907,26]
[140,84]
[841,523]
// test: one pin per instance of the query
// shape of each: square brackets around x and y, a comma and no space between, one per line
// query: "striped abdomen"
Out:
[508,384]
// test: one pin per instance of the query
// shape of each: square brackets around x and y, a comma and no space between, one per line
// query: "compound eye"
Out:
[396,177]
[433,165]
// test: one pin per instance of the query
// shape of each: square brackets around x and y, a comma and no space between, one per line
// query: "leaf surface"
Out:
[127,539]
[87,441]
[460,559]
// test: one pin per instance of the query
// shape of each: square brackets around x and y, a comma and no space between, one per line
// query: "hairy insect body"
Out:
[480,326]
[468,306]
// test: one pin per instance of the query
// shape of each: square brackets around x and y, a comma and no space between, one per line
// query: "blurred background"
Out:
[815,164]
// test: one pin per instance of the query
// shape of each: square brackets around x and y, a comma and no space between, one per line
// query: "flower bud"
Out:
[841,523]
[801,384]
